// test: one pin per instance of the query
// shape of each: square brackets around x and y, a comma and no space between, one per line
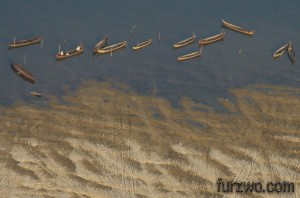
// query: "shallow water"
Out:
[153,70]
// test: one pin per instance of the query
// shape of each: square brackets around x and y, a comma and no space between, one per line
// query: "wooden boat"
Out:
[22,43]
[212,39]
[62,55]
[185,42]
[100,44]
[142,45]
[23,72]
[291,52]
[280,51]
[191,55]
[111,48]
[37,94]
[237,28]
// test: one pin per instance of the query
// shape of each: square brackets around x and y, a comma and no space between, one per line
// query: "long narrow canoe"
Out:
[291,53]
[112,48]
[237,28]
[74,52]
[212,39]
[185,42]
[142,45]
[100,44]
[23,72]
[22,43]
[191,55]
[280,51]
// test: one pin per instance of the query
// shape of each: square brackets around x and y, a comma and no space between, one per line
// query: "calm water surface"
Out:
[153,70]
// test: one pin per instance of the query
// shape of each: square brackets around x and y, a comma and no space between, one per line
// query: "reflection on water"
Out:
[237,61]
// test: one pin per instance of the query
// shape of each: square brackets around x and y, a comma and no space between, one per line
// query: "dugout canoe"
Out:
[291,52]
[74,52]
[237,28]
[190,55]
[185,42]
[100,44]
[25,42]
[21,71]
[212,39]
[280,51]
[142,45]
[111,48]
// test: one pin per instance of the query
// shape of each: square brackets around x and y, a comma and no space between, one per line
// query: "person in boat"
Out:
[61,53]
[78,48]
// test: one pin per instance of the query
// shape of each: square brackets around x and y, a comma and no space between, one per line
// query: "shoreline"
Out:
[114,142]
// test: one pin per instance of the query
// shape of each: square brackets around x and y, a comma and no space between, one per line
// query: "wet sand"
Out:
[105,140]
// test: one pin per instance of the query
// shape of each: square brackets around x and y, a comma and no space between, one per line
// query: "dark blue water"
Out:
[153,70]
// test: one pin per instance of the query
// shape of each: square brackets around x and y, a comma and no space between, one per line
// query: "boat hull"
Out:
[69,54]
[111,48]
[189,56]
[21,71]
[280,51]
[100,44]
[142,45]
[36,94]
[237,28]
[23,43]
[184,42]
[213,39]
[291,53]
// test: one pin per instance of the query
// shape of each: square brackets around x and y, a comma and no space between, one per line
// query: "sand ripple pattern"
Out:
[107,141]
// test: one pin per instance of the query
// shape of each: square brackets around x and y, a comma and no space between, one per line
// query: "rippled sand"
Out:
[107,141]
